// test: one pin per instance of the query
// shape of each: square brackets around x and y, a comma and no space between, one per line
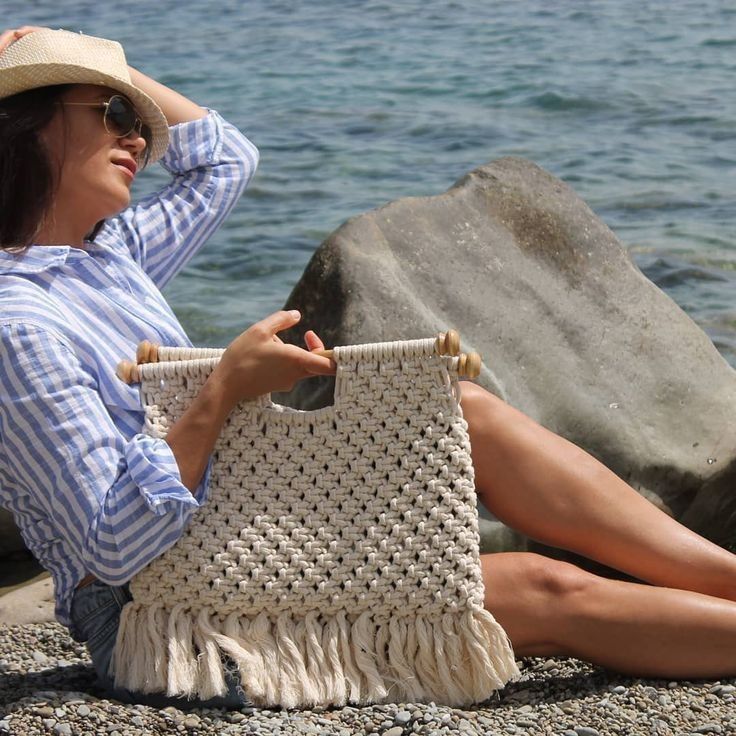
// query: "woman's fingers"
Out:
[13,34]
[312,341]
[278,321]
[6,38]
[318,365]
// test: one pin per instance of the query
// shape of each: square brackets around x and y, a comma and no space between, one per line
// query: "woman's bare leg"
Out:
[551,490]
[552,608]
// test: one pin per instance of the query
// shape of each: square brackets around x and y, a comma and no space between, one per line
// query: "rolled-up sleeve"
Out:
[118,502]
[212,163]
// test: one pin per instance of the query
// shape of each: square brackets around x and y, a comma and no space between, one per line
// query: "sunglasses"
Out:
[121,119]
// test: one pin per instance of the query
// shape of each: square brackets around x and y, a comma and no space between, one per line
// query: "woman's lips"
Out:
[128,165]
[128,172]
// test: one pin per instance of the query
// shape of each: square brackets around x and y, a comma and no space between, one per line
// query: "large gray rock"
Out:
[571,332]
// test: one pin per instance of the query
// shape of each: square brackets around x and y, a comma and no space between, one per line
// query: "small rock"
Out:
[63,729]
[619,690]
[45,711]
[83,711]
[586,731]
[4,726]
[708,728]
[394,731]
[191,721]
[402,717]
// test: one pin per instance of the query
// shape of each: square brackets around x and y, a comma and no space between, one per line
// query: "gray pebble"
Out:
[39,657]
[63,729]
[708,728]
[620,690]
[402,717]
[5,726]
[83,711]
[394,731]
[586,731]
[49,723]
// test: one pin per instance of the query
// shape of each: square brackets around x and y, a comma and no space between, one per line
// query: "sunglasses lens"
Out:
[120,116]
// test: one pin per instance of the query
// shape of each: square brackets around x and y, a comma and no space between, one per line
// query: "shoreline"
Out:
[48,685]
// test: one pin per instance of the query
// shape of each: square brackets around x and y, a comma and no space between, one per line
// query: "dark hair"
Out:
[28,176]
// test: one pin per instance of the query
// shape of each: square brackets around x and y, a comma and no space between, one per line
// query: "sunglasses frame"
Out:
[138,125]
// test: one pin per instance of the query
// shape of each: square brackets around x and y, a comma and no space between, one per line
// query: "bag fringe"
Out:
[455,659]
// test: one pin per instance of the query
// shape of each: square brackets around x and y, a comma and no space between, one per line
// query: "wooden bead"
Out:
[147,352]
[473,365]
[469,365]
[127,371]
[448,343]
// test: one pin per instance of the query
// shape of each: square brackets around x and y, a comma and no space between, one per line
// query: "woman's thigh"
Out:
[532,597]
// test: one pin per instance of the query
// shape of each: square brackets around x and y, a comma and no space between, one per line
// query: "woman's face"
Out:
[96,169]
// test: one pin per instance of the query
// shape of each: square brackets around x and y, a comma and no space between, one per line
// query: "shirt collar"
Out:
[39,258]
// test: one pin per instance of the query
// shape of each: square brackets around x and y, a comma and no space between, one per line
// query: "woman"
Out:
[97,500]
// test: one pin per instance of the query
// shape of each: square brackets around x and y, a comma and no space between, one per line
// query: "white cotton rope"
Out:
[337,557]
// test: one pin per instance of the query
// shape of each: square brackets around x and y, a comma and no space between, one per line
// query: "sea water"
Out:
[353,104]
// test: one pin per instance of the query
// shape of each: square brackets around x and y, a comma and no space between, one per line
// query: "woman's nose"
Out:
[134,142]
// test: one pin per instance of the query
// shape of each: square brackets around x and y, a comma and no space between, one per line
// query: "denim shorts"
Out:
[95,617]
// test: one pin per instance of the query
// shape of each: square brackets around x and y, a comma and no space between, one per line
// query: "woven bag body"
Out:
[337,558]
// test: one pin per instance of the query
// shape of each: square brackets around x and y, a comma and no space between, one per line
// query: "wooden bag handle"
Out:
[447,343]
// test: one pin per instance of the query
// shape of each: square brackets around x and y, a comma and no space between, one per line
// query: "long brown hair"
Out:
[27,175]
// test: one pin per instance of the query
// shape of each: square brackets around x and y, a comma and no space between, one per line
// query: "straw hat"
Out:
[47,57]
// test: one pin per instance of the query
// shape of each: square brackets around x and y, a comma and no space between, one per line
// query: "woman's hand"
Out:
[176,107]
[13,34]
[259,362]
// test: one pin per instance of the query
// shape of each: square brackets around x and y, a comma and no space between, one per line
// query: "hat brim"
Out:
[29,76]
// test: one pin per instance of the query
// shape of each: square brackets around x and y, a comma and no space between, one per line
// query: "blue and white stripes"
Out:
[89,491]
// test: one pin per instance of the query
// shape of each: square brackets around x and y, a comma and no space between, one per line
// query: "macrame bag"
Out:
[337,558]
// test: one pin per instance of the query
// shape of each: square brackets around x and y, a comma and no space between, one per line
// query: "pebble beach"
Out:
[47,686]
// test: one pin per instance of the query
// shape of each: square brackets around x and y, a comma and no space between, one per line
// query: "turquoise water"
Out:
[353,104]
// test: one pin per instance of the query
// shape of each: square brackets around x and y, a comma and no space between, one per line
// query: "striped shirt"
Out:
[88,490]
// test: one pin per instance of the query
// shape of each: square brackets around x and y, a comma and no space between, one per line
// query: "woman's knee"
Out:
[474,398]
[533,597]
